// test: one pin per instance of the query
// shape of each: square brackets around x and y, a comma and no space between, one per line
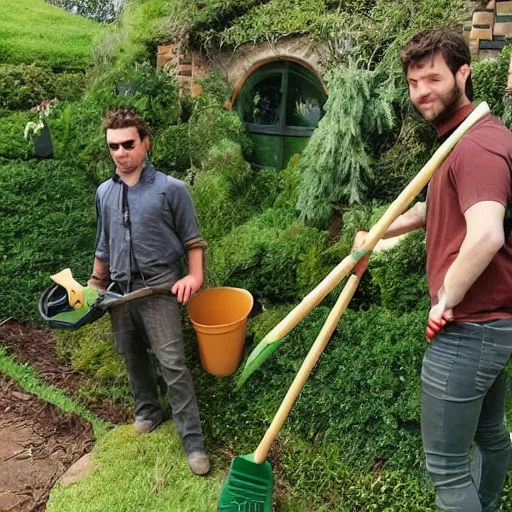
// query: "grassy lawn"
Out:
[34,31]
[139,473]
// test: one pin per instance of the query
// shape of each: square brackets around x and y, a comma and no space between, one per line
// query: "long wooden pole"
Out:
[307,366]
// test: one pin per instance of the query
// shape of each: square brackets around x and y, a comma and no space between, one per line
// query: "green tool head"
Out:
[256,358]
[56,311]
[248,486]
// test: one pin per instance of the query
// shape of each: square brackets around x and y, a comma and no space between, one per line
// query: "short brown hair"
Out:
[446,41]
[124,117]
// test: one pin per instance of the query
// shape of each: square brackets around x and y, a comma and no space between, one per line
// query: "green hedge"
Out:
[264,256]
[47,224]
[23,86]
[12,144]
[490,80]
[400,275]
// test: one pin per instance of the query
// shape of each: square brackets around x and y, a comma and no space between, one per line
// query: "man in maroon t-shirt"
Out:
[469,269]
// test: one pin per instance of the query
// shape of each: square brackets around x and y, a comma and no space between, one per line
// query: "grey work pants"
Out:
[155,322]
[463,400]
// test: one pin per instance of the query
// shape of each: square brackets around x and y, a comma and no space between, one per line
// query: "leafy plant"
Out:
[336,165]
[53,230]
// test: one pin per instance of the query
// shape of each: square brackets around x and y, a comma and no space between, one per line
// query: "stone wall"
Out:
[490,28]
[188,66]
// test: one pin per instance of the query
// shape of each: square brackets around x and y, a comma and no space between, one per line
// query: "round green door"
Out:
[281,104]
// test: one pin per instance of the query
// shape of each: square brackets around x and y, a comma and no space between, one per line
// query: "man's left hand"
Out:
[439,315]
[186,287]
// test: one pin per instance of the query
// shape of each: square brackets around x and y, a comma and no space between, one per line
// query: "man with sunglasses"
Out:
[146,224]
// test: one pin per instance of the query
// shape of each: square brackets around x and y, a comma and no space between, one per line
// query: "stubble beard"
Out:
[449,102]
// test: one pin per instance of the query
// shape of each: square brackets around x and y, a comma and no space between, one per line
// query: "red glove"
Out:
[434,328]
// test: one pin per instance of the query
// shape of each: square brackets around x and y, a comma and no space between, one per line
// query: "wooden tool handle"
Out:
[307,366]
[396,208]
[74,288]
[143,292]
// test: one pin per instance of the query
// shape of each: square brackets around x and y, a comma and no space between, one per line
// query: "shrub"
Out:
[170,151]
[76,126]
[211,125]
[264,255]
[400,275]
[48,223]
[490,80]
[363,398]
[12,143]
[227,198]
[398,165]
[336,164]
[24,85]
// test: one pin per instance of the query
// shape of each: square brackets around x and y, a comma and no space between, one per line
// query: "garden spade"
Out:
[249,484]
[270,343]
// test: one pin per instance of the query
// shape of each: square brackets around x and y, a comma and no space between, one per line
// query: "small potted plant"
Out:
[39,131]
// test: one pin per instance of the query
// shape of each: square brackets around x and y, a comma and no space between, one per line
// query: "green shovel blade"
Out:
[256,358]
[248,486]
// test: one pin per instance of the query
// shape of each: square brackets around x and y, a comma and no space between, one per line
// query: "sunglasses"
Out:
[127,144]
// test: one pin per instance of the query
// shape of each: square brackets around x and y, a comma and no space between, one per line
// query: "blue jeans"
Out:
[463,400]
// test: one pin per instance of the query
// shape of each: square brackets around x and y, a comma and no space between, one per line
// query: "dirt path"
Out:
[38,442]
[36,345]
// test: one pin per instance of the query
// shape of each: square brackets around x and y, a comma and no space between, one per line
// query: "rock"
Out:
[79,470]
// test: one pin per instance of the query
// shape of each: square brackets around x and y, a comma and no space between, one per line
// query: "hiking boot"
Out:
[145,426]
[199,463]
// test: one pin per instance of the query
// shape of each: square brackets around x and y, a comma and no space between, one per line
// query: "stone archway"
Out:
[240,64]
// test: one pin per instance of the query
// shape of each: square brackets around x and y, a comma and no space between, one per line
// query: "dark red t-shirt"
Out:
[478,169]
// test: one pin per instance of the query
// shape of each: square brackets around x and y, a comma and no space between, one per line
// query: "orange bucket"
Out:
[219,317]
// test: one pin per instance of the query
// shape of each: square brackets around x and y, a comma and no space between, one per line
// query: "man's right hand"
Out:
[359,241]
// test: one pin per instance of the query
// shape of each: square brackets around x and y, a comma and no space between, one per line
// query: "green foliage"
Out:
[397,166]
[265,255]
[91,350]
[170,151]
[341,490]
[507,111]
[490,80]
[363,397]
[381,33]
[78,138]
[272,19]
[154,94]
[22,86]
[12,143]
[209,125]
[136,35]
[48,223]
[400,275]
[76,127]
[33,31]
[336,165]
[230,192]
[290,179]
